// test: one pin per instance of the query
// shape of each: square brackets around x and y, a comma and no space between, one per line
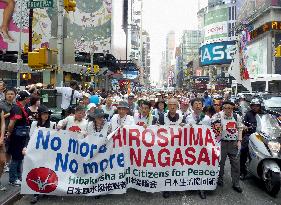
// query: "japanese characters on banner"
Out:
[153,160]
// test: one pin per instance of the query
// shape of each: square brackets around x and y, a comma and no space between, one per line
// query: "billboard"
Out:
[89,26]
[257,58]
[216,53]
[215,23]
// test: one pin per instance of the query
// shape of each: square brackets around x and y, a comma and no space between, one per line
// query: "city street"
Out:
[100,95]
[253,194]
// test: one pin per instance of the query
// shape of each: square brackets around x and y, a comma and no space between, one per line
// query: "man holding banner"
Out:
[122,118]
[172,117]
[144,117]
[231,137]
[197,117]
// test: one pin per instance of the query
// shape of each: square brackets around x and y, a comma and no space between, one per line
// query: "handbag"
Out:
[22,131]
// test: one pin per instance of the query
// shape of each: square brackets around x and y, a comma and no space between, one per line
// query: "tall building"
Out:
[162,80]
[190,44]
[135,29]
[189,51]
[168,73]
[260,21]
[217,23]
[146,56]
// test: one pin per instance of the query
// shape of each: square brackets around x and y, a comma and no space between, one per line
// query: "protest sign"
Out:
[153,160]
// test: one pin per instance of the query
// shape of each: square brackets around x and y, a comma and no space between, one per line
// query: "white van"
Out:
[270,83]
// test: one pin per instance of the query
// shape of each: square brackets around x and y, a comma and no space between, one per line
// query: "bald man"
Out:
[172,117]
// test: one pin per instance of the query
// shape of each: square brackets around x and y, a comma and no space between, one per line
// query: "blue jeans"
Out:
[15,170]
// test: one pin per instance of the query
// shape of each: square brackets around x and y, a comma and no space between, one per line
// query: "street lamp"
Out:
[19,60]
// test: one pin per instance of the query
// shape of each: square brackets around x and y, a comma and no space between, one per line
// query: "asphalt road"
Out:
[11,190]
[253,194]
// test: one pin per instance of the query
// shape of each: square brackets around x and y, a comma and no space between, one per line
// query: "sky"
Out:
[162,16]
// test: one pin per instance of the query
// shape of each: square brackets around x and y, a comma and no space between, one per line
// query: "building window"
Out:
[229,29]
[235,10]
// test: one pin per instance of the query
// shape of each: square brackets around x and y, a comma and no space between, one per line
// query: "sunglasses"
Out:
[216,104]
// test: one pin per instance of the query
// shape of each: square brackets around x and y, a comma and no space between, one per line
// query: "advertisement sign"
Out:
[217,53]
[152,160]
[216,23]
[216,15]
[130,74]
[89,26]
[216,30]
[257,58]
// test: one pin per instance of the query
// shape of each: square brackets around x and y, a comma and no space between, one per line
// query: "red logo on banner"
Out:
[42,180]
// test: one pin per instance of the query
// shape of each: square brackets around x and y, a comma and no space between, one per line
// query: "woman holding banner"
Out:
[98,123]
[43,121]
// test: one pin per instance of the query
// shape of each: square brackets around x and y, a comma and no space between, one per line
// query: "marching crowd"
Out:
[91,111]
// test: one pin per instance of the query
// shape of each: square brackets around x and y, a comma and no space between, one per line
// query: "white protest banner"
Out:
[153,160]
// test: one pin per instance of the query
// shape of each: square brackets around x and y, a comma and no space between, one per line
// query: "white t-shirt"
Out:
[34,126]
[168,122]
[185,114]
[141,120]
[109,112]
[99,133]
[74,125]
[116,121]
[66,96]
[191,119]
[230,126]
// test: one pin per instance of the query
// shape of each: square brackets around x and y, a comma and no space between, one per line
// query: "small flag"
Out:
[234,70]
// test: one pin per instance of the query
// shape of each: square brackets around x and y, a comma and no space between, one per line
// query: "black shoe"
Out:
[34,199]
[166,194]
[237,189]
[220,183]
[202,194]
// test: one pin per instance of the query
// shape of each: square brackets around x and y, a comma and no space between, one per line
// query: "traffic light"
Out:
[96,69]
[278,51]
[26,76]
[69,5]
[25,48]
[41,58]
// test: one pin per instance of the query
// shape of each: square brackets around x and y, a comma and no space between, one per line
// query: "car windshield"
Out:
[273,102]
[268,124]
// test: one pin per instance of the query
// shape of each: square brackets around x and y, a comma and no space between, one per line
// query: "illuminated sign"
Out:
[216,53]
[270,26]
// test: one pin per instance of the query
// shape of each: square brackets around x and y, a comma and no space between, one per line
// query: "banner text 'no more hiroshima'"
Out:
[153,160]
